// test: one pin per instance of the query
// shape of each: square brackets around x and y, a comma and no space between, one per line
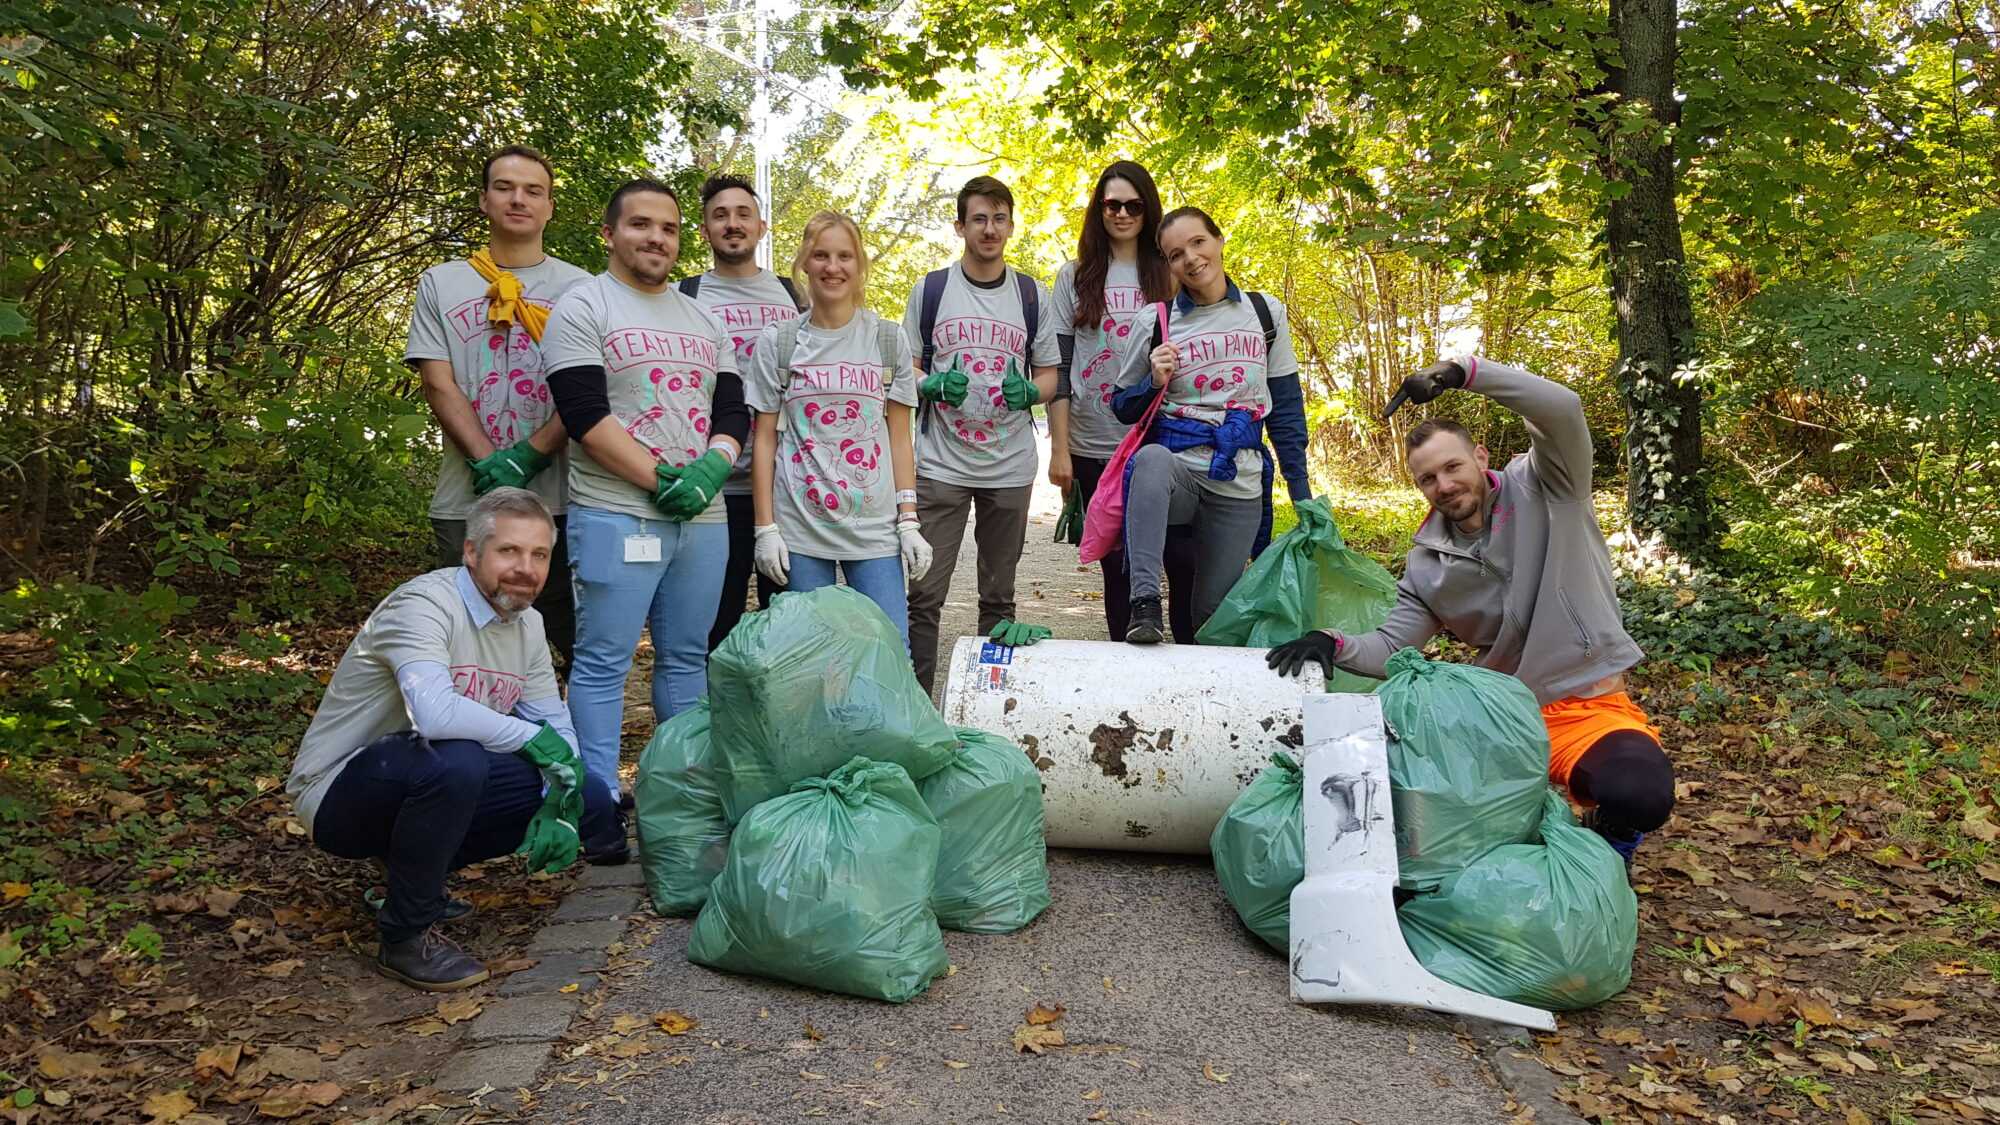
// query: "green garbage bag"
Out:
[1306,579]
[1259,847]
[1468,764]
[1552,924]
[683,835]
[814,680]
[829,886]
[993,866]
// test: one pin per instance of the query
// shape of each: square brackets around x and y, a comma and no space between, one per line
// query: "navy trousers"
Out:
[426,809]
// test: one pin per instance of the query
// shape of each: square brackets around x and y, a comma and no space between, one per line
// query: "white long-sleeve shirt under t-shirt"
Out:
[435,621]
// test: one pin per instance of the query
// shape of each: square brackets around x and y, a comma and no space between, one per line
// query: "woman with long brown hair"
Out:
[1118,271]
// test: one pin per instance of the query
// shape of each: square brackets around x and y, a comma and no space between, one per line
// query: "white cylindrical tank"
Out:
[1140,748]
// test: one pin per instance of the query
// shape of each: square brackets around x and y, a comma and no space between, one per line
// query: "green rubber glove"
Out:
[948,386]
[1017,633]
[1069,525]
[1016,392]
[552,841]
[512,467]
[698,482]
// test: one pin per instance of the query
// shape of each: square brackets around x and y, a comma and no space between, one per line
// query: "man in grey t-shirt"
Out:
[475,339]
[987,354]
[745,297]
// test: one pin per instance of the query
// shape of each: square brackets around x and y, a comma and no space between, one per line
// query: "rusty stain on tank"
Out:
[1136,830]
[1293,738]
[1109,744]
[1007,708]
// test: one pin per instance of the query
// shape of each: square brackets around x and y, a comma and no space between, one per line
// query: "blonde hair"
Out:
[819,224]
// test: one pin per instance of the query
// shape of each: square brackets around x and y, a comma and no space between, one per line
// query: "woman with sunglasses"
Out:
[1117,272]
[1228,374]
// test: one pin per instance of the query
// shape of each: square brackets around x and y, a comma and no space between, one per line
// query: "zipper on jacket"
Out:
[1574,619]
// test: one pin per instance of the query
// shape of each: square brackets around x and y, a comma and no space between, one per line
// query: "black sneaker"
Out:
[1145,627]
[377,897]
[617,857]
[625,802]
[430,961]
[1623,841]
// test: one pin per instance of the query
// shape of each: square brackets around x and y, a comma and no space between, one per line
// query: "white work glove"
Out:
[916,551]
[774,561]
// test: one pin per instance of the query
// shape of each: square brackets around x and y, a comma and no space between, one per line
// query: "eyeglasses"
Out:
[1132,207]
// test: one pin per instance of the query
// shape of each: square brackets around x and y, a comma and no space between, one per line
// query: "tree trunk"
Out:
[1666,493]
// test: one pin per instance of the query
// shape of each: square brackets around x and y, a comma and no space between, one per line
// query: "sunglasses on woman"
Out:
[1132,207]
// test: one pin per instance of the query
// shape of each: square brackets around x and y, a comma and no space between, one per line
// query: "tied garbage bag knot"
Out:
[1307,579]
[828,894]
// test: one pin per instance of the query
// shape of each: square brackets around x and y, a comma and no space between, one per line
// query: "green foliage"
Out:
[1871,403]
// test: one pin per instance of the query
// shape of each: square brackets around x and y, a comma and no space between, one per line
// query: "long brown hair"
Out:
[1093,246]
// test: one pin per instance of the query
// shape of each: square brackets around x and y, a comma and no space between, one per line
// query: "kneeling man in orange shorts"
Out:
[1514,564]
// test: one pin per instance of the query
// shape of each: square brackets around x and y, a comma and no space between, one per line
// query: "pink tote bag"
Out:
[1104,522]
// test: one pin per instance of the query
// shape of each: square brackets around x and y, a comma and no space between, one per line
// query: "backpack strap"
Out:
[690,286]
[1263,306]
[927,310]
[887,335]
[791,291]
[788,346]
[1031,312]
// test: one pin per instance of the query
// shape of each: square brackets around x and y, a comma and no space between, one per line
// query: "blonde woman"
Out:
[833,476]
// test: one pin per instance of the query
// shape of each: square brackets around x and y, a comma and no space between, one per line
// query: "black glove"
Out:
[1426,385]
[1292,656]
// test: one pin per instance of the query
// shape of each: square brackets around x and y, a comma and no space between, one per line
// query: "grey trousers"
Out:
[1000,529]
[1164,492]
[556,603]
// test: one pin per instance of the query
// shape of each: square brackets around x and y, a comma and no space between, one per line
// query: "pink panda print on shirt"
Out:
[1099,378]
[680,369]
[834,433]
[982,348]
[510,397]
[1219,371]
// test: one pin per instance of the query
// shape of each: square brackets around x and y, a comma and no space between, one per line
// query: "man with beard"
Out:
[646,383]
[1514,564]
[476,341]
[744,297]
[438,730]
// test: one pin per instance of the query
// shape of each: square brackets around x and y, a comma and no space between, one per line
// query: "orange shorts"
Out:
[1575,725]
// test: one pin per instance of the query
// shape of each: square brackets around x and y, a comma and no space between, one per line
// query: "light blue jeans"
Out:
[878,580]
[674,597]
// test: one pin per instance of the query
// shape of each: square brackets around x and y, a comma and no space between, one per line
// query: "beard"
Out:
[735,258]
[510,604]
[646,276]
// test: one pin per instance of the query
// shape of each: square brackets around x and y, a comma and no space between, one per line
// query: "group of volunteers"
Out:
[622,452]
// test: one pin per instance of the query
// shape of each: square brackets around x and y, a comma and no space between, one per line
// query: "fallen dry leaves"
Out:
[1804,947]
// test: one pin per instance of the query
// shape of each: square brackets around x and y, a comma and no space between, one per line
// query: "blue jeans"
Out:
[879,580]
[427,808]
[674,597]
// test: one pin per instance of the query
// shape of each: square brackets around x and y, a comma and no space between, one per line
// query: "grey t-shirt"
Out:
[981,444]
[424,619]
[1093,431]
[501,375]
[744,305]
[661,353]
[833,491]
[1222,367]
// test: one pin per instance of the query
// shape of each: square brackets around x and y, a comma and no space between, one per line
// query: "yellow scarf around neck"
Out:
[505,304]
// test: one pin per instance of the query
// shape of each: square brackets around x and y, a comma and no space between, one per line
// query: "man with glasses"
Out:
[987,354]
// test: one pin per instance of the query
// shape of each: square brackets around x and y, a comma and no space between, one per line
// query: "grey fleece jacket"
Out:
[1541,605]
